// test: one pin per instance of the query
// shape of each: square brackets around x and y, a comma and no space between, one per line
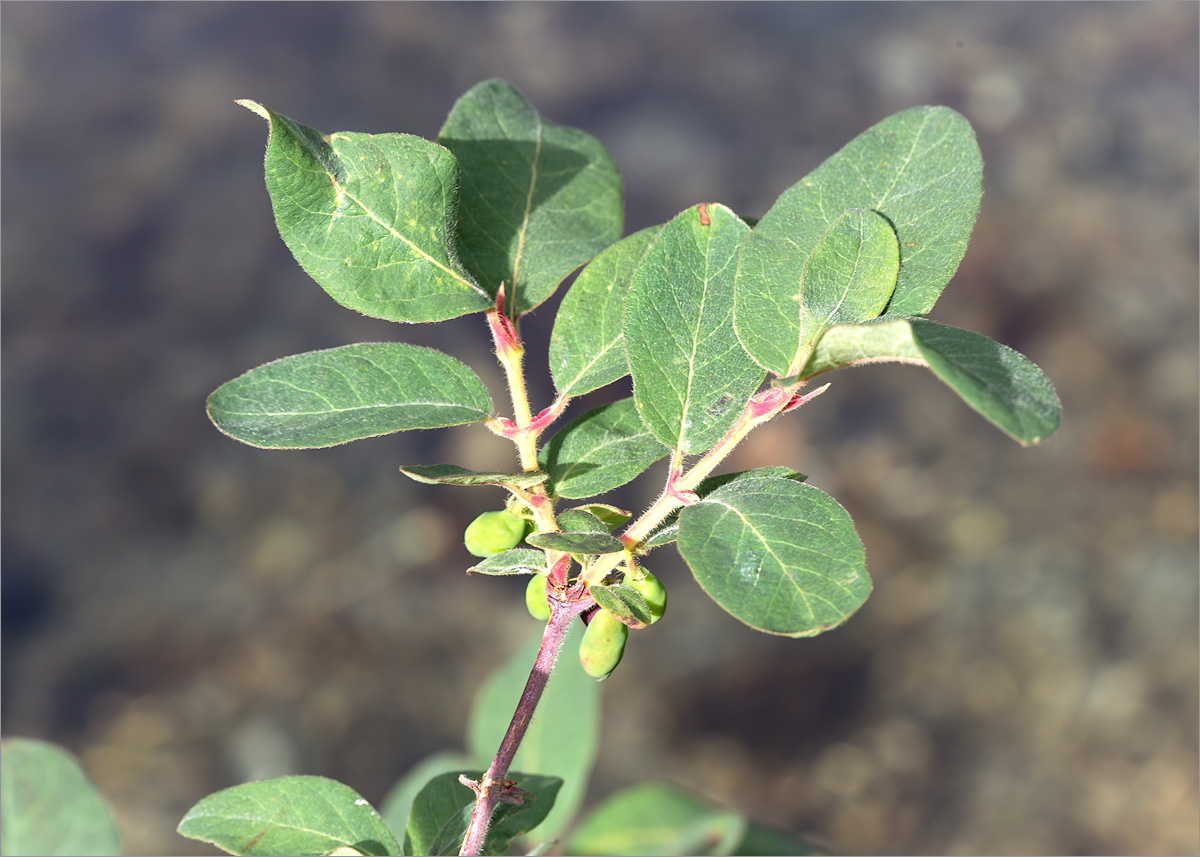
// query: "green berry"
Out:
[535,598]
[493,532]
[602,645]
[650,588]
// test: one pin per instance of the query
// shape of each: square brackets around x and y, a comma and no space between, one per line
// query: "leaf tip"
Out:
[255,107]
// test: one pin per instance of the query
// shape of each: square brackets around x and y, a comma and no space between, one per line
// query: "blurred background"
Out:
[187,613]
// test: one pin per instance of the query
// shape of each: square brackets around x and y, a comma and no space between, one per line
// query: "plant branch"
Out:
[493,788]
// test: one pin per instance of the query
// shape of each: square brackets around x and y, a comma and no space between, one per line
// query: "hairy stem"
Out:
[493,789]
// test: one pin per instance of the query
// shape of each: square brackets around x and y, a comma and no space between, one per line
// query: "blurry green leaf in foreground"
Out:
[371,218]
[289,815]
[1004,386]
[779,555]
[324,398]
[537,199]
[656,819]
[48,806]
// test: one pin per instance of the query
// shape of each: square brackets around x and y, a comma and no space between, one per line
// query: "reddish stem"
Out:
[493,789]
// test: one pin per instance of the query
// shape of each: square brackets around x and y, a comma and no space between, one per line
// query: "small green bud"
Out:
[650,588]
[603,644]
[493,532]
[535,598]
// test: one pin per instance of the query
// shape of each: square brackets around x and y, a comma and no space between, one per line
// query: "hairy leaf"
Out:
[452,474]
[779,555]
[624,602]
[289,815]
[691,378]
[324,398]
[599,450]
[511,561]
[1001,384]
[587,345]
[538,199]
[371,218]
[920,169]
[578,543]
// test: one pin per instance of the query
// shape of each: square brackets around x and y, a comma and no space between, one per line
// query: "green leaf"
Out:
[668,531]
[441,812]
[777,554]
[921,169]
[581,521]
[848,278]
[763,841]
[398,803]
[850,275]
[289,815]
[587,345]
[624,602]
[599,450]
[452,474]
[1001,384]
[324,398]
[656,819]
[538,199]
[512,561]
[371,218]
[48,806]
[562,738]
[691,378]
[578,543]
[610,516]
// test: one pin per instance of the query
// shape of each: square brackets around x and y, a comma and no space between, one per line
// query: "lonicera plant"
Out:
[722,323]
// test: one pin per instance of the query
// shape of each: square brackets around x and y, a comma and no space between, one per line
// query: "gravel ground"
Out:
[187,613]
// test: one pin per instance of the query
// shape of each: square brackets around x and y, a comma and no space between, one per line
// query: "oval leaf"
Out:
[587,345]
[289,815]
[599,450]
[1001,384]
[848,278]
[511,561]
[452,474]
[581,521]
[850,275]
[610,516]
[324,398]
[668,531]
[48,805]
[779,555]
[538,199]
[654,818]
[691,378]
[921,169]
[624,602]
[579,543]
[370,217]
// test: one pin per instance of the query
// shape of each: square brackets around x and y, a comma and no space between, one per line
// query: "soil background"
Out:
[187,613]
